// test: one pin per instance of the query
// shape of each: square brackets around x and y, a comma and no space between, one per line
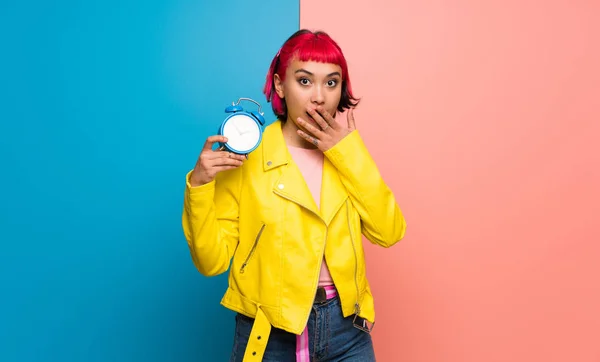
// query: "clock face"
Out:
[242,132]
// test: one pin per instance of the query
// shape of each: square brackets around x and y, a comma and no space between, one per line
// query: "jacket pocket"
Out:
[247,260]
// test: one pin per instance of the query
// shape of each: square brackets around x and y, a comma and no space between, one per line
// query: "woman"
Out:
[289,218]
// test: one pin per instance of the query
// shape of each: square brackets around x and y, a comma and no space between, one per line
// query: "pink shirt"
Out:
[310,162]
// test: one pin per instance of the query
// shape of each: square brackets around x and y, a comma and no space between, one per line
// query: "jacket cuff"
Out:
[201,192]
[352,144]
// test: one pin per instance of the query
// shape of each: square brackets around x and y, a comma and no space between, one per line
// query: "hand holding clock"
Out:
[240,133]
[212,161]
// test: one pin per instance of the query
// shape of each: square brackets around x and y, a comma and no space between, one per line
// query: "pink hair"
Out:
[306,45]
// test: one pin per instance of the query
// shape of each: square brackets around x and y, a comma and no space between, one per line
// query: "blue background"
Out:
[104,108]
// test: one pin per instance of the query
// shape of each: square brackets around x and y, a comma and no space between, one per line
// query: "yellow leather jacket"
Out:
[263,216]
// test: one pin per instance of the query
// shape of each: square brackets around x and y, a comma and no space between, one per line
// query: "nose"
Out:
[318,96]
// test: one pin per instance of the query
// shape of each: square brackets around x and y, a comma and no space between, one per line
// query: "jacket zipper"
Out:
[357,304]
[252,250]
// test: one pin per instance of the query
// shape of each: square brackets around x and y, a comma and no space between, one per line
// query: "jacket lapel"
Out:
[291,184]
[333,192]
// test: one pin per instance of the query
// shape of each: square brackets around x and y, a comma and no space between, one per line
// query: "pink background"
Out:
[485,120]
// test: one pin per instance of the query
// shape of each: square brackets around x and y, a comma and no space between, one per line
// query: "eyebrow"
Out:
[309,73]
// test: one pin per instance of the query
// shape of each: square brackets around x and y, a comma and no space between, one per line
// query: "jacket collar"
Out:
[275,151]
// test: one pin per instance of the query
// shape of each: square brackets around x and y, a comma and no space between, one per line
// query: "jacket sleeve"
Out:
[210,221]
[382,220]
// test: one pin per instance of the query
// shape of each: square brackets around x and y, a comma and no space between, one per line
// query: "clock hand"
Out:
[237,128]
[248,130]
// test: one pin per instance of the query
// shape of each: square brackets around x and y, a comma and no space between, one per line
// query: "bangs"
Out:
[319,50]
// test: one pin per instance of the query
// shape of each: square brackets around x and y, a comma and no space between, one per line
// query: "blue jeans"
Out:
[332,338]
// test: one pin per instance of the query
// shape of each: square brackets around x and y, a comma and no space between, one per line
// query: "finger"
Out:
[327,117]
[210,141]
[308,137]
[223,161]
[225,168]
[318,118]
[309,127]
[351,120]
[227,157]
[225,154]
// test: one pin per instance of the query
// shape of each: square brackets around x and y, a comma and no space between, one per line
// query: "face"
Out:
[308,85]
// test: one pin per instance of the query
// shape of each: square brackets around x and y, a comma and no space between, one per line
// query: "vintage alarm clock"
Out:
[243,129]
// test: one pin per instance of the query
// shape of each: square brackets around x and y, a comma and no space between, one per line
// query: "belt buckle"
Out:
[321,295]
[362,324]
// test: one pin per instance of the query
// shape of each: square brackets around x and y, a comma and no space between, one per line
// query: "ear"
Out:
[278,86]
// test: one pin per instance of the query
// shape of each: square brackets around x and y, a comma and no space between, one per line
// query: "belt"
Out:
[259,335]
[324,293]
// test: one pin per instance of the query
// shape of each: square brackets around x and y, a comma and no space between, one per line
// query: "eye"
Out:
[304,81]
[332,83]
